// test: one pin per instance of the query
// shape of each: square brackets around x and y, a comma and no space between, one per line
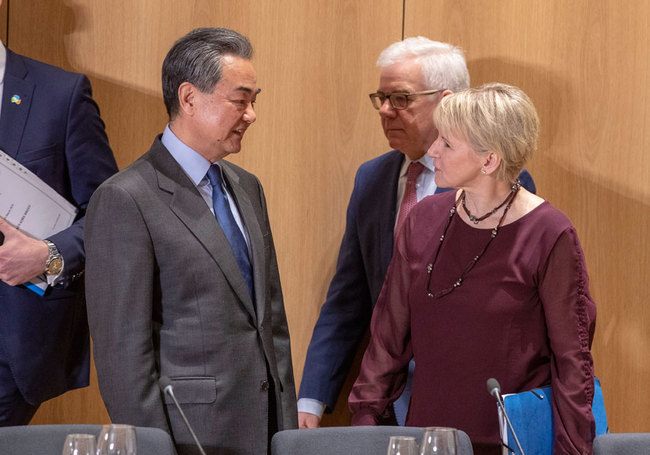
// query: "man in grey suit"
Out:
[182,277]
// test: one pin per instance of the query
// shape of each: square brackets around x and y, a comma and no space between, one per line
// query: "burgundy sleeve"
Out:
[570,316]
[384,366]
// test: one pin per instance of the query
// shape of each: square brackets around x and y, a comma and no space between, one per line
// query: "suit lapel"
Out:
[188,205]
[14,114]
[254,230]
[387,191]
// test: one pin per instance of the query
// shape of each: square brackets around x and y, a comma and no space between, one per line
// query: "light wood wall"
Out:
[3,22]
[584,64]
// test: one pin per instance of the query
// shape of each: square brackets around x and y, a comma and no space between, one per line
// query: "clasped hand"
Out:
[21,257]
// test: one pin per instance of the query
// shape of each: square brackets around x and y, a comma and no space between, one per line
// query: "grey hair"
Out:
[196,58]
[443,65]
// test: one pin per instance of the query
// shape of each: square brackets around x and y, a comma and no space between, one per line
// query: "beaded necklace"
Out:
[508,202]
[477,220]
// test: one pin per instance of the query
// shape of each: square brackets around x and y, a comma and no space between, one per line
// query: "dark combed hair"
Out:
[196,58]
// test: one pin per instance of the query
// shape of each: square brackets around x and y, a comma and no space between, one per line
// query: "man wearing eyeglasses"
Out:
[415,74]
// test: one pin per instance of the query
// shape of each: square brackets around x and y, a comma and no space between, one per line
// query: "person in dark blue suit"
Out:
[50,124]
[415,74]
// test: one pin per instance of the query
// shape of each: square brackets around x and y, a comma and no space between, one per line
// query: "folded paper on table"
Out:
[532,418]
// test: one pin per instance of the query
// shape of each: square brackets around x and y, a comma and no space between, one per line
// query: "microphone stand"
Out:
[495,390]
[503,408]
[165,384]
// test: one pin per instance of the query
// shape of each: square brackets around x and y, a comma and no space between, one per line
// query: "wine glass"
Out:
[402,445]
[439,441]
[116,440]
[79,444]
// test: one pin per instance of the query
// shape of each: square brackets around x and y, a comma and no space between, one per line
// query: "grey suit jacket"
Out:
[165,297]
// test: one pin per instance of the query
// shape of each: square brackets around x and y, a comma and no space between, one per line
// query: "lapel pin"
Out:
[16,99]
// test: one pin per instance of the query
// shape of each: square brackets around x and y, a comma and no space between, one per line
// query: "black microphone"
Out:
[166,386]
[494,389]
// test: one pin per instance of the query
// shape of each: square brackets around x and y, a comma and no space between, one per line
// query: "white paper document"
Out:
[31,205]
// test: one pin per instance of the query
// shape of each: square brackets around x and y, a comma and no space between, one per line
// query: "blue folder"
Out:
[531,416]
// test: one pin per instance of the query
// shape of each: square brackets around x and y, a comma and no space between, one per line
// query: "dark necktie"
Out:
[229,225]
[410,193]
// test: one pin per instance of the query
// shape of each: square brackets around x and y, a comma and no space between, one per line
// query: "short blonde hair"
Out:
[493,117]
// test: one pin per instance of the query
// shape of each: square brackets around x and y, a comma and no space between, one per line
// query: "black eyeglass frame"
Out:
[381,98]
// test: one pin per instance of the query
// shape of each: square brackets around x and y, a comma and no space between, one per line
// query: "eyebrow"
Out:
[247,90]
[399,90]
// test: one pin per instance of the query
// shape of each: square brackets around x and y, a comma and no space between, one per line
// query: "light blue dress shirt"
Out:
[196,167]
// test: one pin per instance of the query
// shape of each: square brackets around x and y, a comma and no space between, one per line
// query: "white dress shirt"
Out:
[3,64]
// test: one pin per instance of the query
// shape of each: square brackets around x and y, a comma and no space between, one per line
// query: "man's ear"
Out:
[445,93]
[187,97]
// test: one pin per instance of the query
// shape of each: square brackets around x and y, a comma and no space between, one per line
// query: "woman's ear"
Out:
[491,163]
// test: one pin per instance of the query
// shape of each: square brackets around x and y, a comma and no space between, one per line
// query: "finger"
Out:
[2,227]
[5,226]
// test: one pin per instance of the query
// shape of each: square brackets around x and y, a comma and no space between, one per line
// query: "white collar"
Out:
[3,62]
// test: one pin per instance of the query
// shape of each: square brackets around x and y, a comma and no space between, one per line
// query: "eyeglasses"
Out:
[399,100]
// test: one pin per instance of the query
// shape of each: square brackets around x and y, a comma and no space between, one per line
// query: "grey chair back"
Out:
[349,440]
[622,444]
[49,439]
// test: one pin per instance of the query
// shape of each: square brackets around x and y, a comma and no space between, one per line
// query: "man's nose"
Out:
[249,115]
[387,109]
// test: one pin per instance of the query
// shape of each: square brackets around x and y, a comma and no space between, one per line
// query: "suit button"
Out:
[264,385]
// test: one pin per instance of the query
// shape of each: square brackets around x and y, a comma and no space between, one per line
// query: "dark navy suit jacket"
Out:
[364,256]
[56,132]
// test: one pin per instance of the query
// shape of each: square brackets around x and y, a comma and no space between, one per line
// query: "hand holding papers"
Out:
[31,206]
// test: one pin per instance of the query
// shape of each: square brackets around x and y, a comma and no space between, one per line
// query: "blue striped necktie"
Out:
[229,225]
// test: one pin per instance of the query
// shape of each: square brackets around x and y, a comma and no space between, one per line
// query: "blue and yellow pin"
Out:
[16,99]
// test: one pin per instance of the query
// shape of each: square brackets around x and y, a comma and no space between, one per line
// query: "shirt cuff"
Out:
[311,406]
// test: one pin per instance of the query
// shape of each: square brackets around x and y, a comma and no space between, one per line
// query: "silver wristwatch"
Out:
[54,262]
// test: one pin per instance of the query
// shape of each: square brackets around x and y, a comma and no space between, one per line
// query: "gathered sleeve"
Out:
[385,363]
[570,315]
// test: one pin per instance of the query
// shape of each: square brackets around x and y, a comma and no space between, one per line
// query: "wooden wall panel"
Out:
[3,21]
[585,65]
[315,63]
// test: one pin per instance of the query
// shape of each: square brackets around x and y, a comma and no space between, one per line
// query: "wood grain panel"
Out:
[585,65]
[315,63]
[3,21]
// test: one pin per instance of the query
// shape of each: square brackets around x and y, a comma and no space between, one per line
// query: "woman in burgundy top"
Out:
[488,281]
